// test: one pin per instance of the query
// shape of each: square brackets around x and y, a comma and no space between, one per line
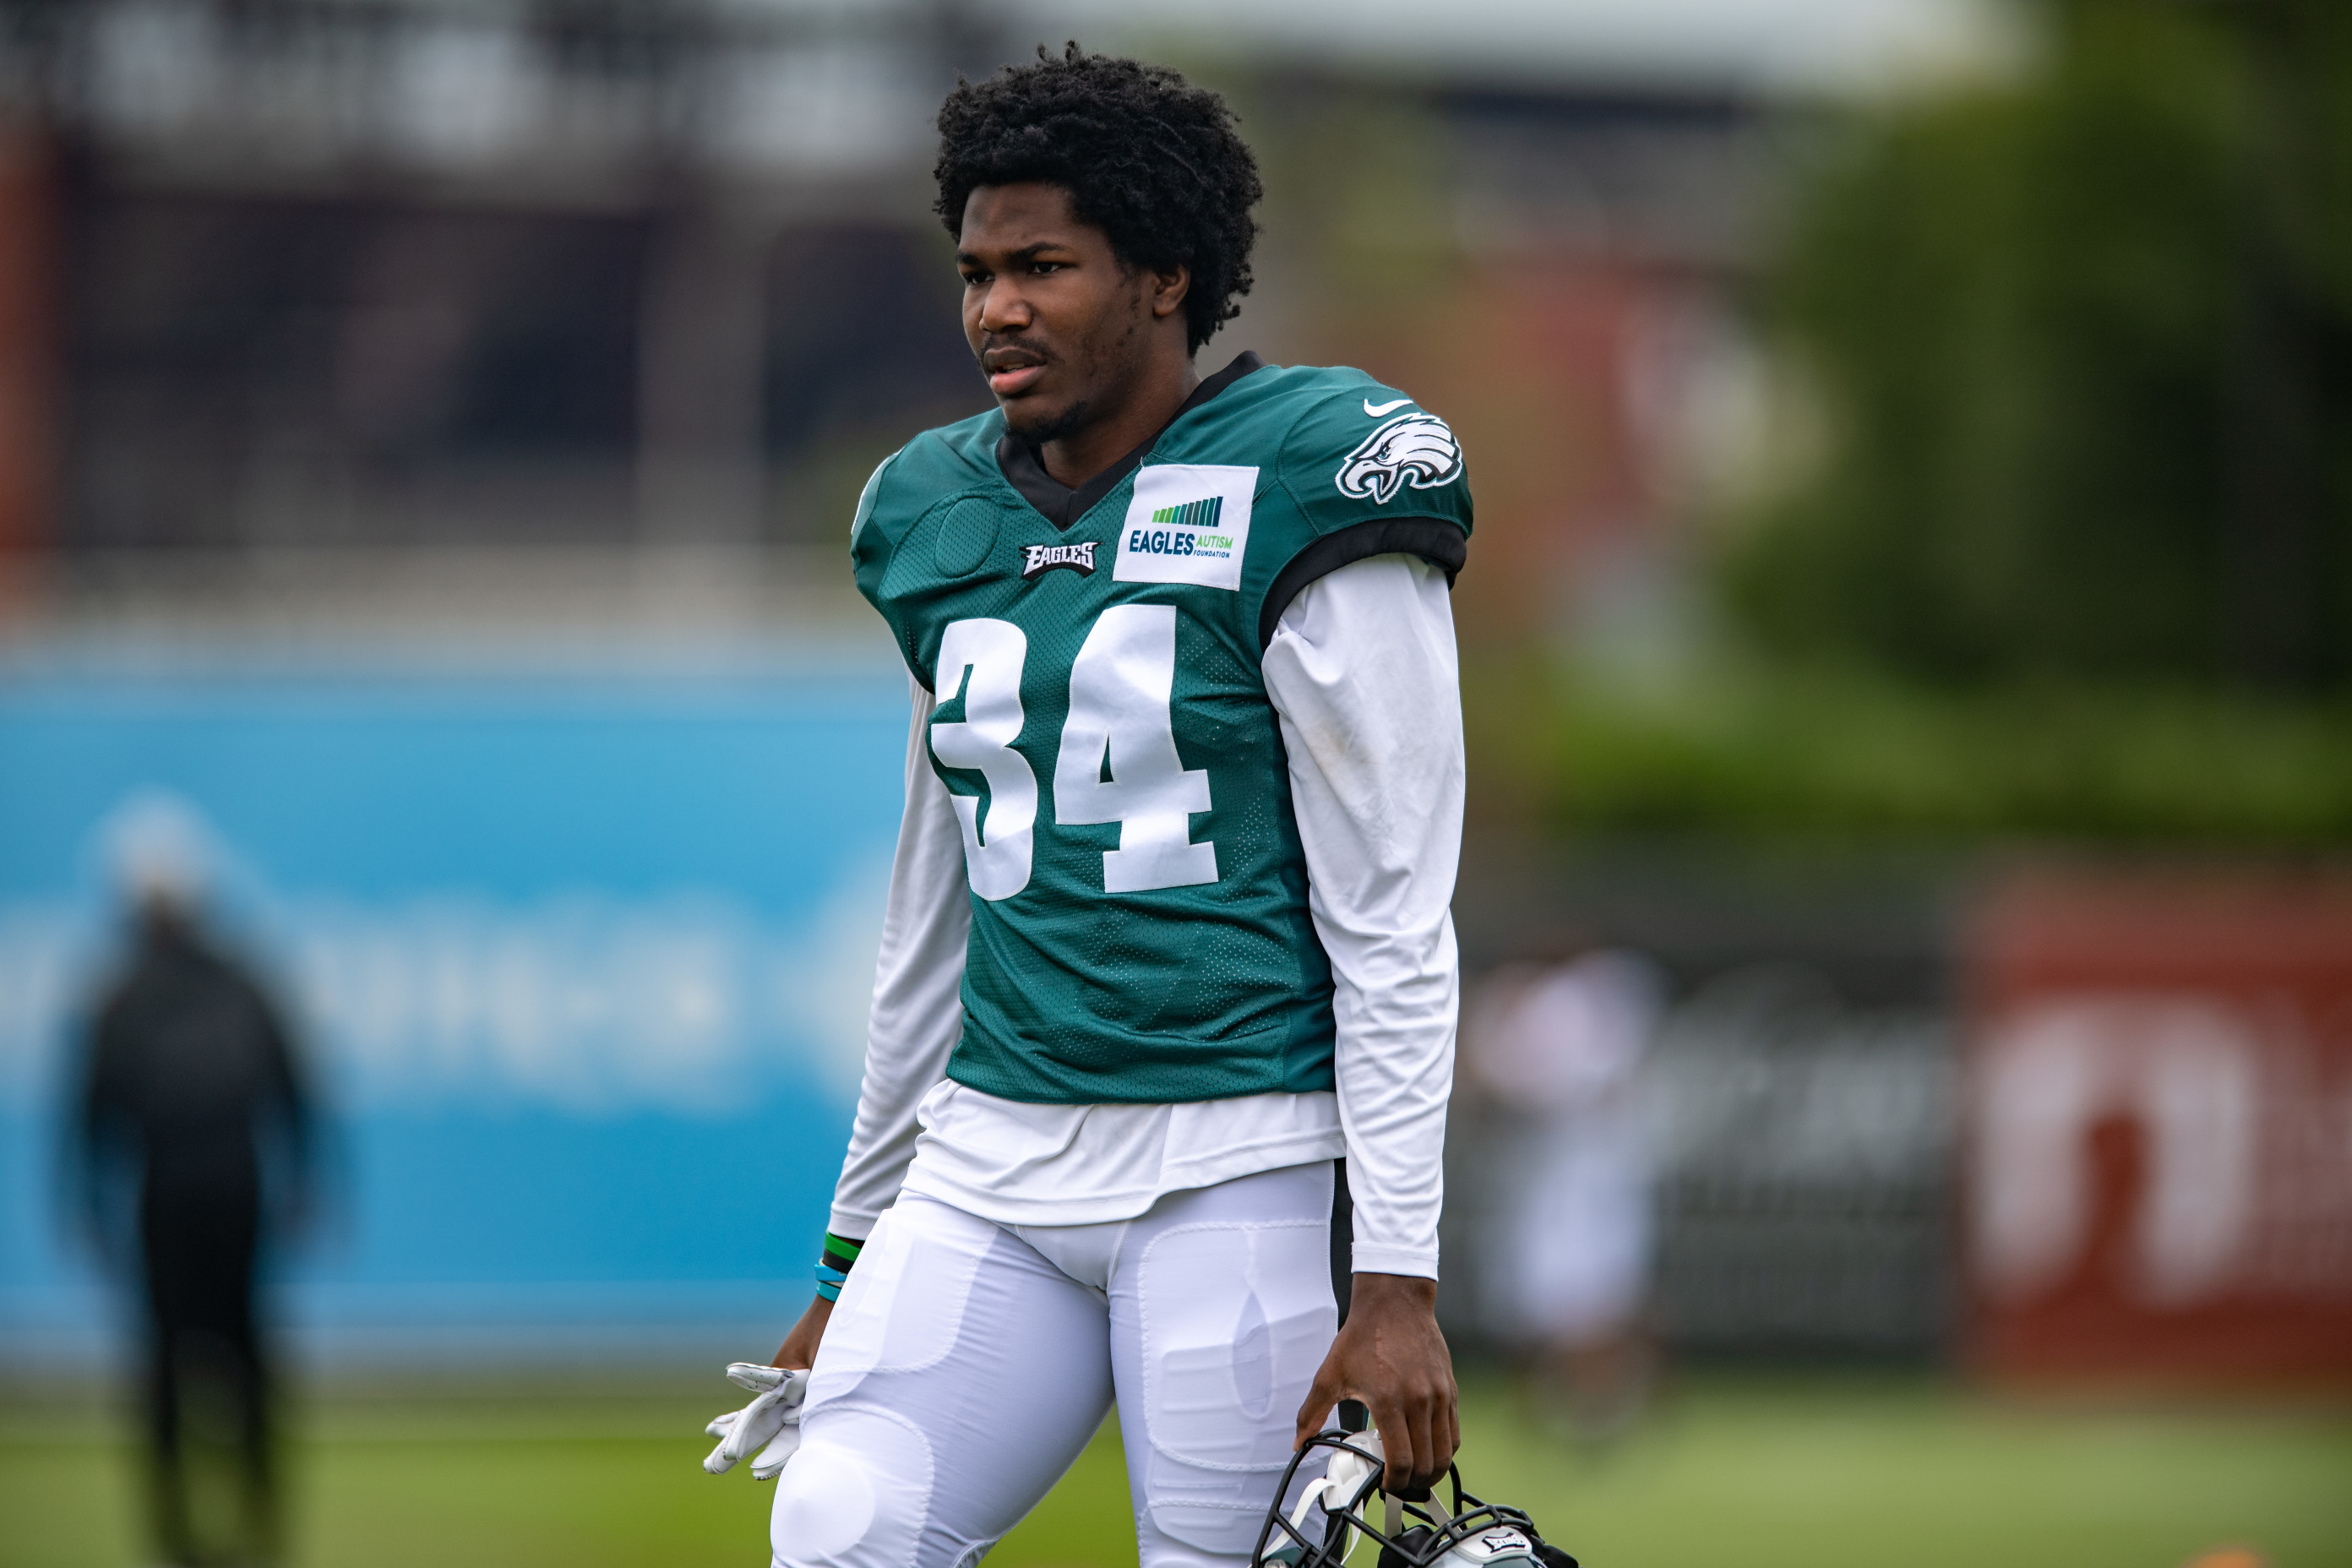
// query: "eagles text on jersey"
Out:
[1139,922]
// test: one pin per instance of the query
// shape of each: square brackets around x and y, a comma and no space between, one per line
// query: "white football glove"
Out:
[772,1422]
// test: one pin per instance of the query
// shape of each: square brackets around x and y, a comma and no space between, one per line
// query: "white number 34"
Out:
[1117,760]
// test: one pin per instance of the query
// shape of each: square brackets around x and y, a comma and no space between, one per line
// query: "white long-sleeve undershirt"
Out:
[1363,677]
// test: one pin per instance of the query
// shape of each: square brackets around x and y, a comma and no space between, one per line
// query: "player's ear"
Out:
[1170,285]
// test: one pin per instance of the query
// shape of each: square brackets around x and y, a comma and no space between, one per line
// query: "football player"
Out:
[1166,935]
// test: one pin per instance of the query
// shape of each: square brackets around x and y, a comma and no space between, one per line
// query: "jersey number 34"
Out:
[1117,760]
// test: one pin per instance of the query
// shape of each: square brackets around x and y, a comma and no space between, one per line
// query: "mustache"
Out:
[994,350]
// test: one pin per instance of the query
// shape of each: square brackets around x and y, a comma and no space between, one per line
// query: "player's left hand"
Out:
[1392,1356]
[769,1423]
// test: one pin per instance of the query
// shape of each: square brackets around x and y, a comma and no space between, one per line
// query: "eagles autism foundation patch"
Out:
[1189,523]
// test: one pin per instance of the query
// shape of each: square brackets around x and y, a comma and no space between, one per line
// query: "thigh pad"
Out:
[1234,1319]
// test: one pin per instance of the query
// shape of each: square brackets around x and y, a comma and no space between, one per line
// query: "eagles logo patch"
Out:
[1416,450]
[1039,557]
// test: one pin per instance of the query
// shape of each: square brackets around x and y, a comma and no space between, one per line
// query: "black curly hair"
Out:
[1148,158]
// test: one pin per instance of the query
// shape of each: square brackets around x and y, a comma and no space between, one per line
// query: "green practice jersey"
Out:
[1139,928]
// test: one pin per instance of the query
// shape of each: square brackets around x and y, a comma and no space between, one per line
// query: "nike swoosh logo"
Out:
[1377,409]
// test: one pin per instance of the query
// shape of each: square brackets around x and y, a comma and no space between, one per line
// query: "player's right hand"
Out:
[798,1352]
[769,1423]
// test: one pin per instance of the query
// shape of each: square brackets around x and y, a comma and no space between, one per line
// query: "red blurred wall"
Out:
[1552,369]
[2160,1150]
[28,340]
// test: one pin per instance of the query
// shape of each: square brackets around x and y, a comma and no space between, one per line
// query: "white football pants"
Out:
[968,1362]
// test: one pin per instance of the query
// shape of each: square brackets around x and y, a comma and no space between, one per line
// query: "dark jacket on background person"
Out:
[191,1087]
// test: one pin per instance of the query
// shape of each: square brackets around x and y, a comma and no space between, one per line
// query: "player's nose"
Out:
[1002,307]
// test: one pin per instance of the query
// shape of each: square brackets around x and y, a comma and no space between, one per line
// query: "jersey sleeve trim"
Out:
[1438,541]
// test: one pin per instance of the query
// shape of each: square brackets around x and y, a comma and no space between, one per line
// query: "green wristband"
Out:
[834,1263]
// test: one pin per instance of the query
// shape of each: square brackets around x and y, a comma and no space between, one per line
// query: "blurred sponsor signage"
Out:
[580,963]
[1805,1152]
[2159,1145]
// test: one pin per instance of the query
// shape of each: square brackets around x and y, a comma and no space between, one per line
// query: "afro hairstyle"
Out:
[1148,158]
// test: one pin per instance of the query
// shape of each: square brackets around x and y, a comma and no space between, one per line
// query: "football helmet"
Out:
[1332,1511]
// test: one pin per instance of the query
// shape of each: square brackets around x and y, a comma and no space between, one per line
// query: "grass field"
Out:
[1730,1473]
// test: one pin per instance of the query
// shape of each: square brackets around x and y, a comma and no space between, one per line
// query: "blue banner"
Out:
[580,965]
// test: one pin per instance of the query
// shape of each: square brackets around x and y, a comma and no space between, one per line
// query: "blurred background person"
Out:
[193,1139]
[1572,1231]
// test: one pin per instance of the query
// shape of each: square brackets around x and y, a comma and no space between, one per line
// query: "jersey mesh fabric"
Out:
[1073,994]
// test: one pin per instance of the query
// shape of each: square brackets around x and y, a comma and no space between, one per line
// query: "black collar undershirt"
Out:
[1025,470]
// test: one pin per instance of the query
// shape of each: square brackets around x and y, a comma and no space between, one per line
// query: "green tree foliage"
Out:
[2080,341]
